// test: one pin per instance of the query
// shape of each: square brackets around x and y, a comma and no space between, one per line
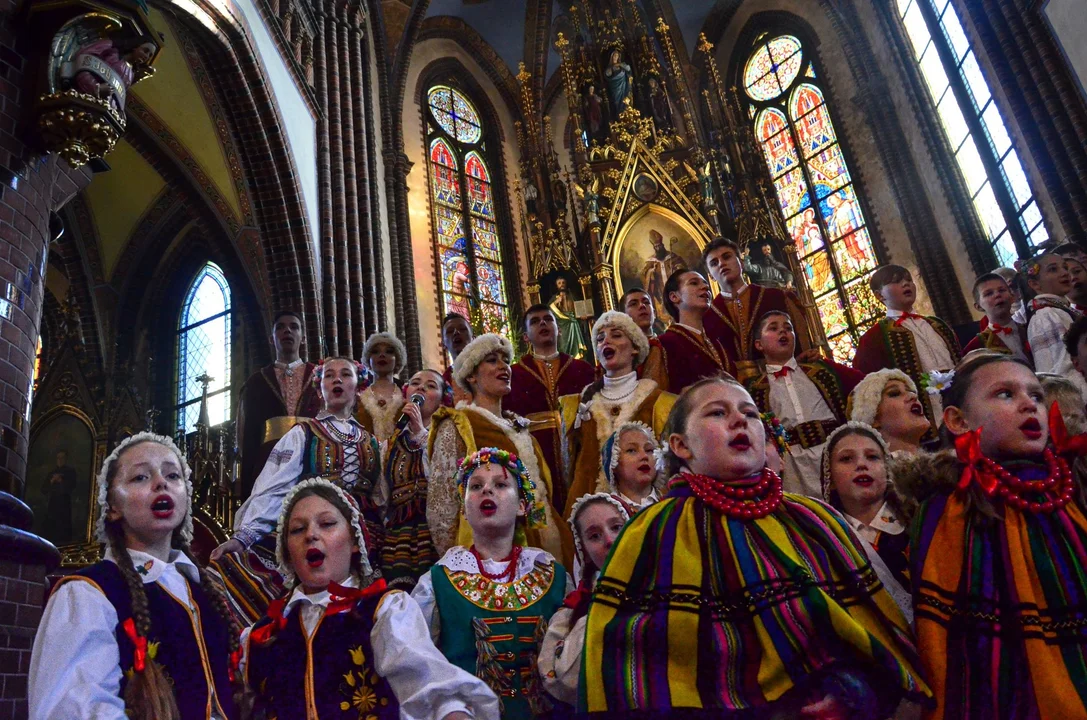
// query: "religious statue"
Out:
[764,269]
[593,112]
[656,270]
[705,186]
[620,80]
[659,105]
[532,195]
[101,70]
[590,200]
[572,338]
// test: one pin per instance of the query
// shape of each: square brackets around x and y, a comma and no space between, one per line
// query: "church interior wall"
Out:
[1068,24]
[425,53]
[858,140]
[379,200]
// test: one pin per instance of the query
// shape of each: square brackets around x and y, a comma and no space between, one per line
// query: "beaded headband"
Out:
[536,516]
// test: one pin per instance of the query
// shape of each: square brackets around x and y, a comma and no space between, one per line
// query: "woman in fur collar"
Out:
[483,369]
[380,404]
[617,398]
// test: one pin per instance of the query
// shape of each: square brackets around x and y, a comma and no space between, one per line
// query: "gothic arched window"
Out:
[814,187]
[975,128]
[203,348]
[469,254]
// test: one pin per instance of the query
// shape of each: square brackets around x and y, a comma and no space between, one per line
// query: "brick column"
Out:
[24,560]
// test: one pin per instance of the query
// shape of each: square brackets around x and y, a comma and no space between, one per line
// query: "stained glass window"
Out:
[204,349]
[466,232]
[975,129]
[814,188]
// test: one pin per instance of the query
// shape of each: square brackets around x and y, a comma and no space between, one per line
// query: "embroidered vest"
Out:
[493,630]
[814,432]
[405,475]
[193,648]
[330,675]
[323,455]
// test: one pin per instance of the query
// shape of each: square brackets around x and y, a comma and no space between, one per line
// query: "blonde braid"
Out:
[149,695]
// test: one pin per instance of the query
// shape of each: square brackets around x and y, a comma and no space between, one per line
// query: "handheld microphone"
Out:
[402,421]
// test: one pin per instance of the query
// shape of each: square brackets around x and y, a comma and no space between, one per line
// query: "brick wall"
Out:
[22,590]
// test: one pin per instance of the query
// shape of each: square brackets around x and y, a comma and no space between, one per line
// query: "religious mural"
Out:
[654,247]
[58,479]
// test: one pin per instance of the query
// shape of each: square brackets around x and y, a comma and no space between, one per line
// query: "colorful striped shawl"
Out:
[1001,609]
[697,610]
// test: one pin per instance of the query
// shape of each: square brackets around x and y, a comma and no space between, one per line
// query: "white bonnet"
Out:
[281,528]
[103,482]
[575,510]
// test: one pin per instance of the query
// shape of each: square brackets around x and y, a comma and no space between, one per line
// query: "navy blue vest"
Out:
[190,649]
[330,676]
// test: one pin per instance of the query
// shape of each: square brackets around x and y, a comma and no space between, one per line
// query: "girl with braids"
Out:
[408,551]
[596,521]
[856,481]
[488,604]
[629,464]
[730,598]
[619,397]
[1050,315]
[999,551]
[342,644]
[332,445]
[145,633]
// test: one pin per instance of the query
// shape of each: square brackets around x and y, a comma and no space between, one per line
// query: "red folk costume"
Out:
[272,402]
[535,389]
[992,337]
[888,344]
[690,357]
[732,321]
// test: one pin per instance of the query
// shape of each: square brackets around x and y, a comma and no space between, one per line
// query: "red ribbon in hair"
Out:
[344,598]
[968,450]
[1065,443]
[139,657]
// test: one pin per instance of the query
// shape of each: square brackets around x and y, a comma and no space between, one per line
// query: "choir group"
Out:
[716,521]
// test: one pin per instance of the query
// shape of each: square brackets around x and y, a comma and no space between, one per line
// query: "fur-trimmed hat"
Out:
[474,352]
[575,510]
[614,318]
[864,400]
[355,521]
[850,428]
[185,534]
[388,338]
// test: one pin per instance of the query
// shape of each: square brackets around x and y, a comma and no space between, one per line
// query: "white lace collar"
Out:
[460,559]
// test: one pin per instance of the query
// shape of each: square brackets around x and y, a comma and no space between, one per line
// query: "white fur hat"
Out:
[864,400]
[474,352]
[103,482]
[356,526]
[383,337]
[614,318]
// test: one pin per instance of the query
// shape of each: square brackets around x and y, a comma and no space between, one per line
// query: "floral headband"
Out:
[364,374]
[536,516]
[1029,267]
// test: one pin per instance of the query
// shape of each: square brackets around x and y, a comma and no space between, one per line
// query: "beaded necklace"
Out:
[1056,487]
[512,559]
[743,502]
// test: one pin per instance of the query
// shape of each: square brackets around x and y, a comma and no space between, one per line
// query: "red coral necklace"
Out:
[744,502]
[512,559]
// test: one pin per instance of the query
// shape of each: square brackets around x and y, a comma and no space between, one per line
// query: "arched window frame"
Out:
[846,304]
[188,391]
[984,149]
[484,315]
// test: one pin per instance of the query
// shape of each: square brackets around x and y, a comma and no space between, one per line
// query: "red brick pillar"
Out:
[26,202]
[24,561]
